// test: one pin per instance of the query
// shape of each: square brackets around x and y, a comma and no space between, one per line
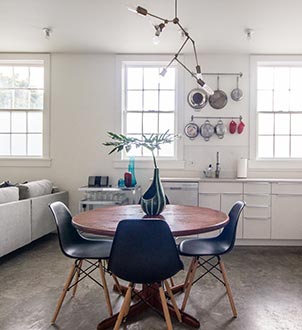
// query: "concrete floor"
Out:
[266,283]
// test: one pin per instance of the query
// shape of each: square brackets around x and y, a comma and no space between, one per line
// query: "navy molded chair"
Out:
[74,246]
[144,252]
[211,248]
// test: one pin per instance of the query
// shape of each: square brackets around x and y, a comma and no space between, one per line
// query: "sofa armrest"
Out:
[42,219]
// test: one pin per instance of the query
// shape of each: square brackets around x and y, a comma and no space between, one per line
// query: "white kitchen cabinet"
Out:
[220,196]
[257,212]
[287,211]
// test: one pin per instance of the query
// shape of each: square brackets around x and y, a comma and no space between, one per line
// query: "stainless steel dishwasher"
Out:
[181,192]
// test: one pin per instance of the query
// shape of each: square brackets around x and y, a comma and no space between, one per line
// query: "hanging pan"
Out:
[197,99]
[237,93]
[219,99]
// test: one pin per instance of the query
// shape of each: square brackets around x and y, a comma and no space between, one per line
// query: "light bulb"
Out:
[156,40]
[208,89]
[163,72]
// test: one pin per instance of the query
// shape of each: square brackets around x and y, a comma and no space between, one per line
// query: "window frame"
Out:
[274,164]
[175,162]
[44,160]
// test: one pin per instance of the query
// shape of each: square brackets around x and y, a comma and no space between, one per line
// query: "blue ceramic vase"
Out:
[153,201]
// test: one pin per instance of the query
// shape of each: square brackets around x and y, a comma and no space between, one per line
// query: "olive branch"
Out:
[152,142]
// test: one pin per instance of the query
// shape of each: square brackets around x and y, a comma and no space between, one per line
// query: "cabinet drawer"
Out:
[257,212]
[255,228]
[257,187]
[225,187]
[257,199]
[287,188]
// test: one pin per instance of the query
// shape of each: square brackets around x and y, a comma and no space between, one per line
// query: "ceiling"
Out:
[95,26]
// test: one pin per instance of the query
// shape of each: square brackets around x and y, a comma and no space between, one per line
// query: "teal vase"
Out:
[153,201]
[131,170]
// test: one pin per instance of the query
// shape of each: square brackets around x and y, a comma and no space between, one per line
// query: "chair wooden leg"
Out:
[77,277]
[106,292]
[117,284]
[228,288]
[65,289]
[189,283]
[171,281]
[165,308]
[188,273]
[170,293]
[124,308]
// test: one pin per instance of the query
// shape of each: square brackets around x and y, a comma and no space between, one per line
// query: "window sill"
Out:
[25,162]
[146,164]
[275,165]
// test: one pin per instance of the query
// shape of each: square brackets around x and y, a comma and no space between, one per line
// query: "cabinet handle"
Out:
[286,195]
[212,194]
[287,183]
[231,193]
[256,194]
[256,206]
[258,183]
[257,218]
[175,188]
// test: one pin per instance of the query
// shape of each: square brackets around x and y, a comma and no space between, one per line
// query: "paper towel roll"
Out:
[242,168]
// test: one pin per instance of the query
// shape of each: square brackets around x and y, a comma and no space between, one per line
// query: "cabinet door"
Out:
[212,201]
[287,216]
[227,201]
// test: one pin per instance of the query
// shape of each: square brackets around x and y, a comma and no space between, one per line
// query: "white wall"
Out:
[83,108]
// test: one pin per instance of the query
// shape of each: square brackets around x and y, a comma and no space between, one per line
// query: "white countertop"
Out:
[196,179]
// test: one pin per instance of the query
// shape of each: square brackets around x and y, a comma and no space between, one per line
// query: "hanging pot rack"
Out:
[220,117]
[238,74]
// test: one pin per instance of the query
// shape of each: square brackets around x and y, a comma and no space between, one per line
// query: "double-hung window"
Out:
[149,104]
[276,96]
[24,106]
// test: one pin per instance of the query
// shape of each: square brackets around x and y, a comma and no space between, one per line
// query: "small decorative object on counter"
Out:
[208,173]
[128,179]
[131,170]
[121,183]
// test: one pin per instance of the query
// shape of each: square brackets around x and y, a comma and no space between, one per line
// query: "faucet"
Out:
[217,171]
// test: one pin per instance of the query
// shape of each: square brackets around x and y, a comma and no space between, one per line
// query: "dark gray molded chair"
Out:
[94,252]
[144,252]
[212,249]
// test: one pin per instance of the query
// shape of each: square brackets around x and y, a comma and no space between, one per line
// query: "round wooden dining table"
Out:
[182,220]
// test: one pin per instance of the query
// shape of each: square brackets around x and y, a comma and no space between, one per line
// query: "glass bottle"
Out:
[131,169]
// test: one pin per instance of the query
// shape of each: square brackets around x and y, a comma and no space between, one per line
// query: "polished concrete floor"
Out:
[266,283]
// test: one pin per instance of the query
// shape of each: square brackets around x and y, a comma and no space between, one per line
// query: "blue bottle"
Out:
[131,170]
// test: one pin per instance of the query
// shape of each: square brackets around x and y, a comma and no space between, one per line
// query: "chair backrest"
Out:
[144,251]
[228,234]
[68,235]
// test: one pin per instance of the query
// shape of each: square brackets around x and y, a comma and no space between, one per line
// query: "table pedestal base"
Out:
[150,299]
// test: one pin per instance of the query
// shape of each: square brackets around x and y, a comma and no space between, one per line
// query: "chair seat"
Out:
[203,247]
[89,249]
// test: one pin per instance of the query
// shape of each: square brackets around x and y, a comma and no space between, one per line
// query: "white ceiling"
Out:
[93,26]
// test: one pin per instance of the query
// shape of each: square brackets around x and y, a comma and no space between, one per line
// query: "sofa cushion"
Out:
[35,189]
[9,194]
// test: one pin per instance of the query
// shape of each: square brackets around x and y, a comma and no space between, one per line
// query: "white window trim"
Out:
[31,161]
[171,163]
[278,165]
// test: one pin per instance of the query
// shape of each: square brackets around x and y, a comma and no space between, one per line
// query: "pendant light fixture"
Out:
[197,74]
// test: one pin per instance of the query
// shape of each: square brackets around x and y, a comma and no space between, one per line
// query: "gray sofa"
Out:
[23,221]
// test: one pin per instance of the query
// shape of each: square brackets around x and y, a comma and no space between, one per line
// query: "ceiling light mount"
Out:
[158,30]
[47,32]
[249,33]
